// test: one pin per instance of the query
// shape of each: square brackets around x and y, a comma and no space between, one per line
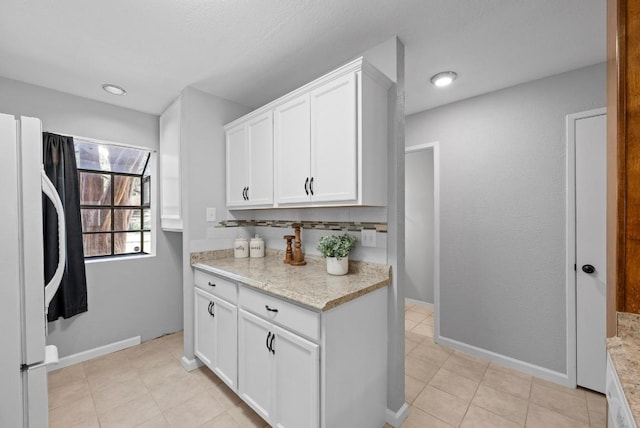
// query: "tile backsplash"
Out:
[346,226]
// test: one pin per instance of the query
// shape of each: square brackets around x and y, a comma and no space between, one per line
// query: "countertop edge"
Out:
[263,287]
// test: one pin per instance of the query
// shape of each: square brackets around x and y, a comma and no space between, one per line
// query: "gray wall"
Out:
[203,178]
[127,298]
[502,213]
[419,237]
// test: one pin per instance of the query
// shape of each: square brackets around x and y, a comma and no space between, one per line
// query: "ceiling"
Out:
[253,51]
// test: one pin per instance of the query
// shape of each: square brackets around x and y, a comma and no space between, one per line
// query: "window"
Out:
[115,199]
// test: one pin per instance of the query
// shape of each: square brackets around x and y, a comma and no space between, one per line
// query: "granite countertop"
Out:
[625,354]
[308,285]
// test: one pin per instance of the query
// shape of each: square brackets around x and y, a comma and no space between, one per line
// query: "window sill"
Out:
[118,258]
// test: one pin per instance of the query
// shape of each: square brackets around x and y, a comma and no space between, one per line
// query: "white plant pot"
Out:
[337,266]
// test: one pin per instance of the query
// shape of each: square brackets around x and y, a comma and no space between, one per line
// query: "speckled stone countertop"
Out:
[625,354]
[308,285]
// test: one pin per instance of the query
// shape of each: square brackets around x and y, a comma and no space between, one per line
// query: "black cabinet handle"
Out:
[210,309]
[311,186]
[273,350]
[244,193]
[306,184]
[268,336]
[247,193]
[269,309]
[211,284]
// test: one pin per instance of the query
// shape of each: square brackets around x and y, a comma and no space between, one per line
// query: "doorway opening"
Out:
[422,227]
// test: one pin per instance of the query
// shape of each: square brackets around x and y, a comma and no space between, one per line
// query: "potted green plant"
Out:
[336,248]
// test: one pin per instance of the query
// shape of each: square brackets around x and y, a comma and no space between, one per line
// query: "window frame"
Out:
[147,175]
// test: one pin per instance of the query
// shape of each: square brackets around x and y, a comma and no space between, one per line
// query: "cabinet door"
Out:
[236,165]
[296,381]
[260,146]
[225,351]
[170,173]
[204,328]
[292,147]
[334,140]
[255,363]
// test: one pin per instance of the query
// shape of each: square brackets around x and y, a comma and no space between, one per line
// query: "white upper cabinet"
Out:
[334,141]
[329,143]
[293,133]
[170,169]
[250,162]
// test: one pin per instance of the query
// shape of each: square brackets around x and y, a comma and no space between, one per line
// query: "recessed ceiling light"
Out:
[114,89]
[443,79]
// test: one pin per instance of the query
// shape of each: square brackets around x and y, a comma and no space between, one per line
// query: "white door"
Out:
[226,341]
[237,165]
[260,141]
[334,141]
[296,381]
[255,363]
[204,328]
[292,147]
[591,268]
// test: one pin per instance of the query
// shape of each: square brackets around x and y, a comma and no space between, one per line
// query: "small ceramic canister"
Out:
[256,247]
[241,248]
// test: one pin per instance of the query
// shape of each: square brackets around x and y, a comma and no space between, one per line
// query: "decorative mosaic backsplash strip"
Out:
[346,226]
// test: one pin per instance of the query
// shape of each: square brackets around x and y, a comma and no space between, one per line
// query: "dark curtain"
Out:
[60,166]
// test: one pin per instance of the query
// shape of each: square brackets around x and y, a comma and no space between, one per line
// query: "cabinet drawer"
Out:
[288,315]
[217,286]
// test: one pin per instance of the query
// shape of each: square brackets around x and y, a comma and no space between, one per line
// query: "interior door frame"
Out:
[435,147]
[571,273]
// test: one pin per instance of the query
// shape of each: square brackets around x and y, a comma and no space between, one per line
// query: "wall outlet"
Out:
[368,238]
[211,214]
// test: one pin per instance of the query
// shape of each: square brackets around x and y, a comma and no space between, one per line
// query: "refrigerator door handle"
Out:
[52,287]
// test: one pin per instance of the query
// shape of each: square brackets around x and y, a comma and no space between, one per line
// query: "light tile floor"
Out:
[446,388]
[146,386]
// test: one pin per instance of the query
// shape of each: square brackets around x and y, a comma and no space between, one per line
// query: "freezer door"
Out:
[33,308]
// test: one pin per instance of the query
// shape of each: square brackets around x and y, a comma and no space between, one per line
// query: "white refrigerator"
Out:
[24,297]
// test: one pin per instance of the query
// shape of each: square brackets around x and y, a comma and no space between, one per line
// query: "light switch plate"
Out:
[211,214]
[368,238]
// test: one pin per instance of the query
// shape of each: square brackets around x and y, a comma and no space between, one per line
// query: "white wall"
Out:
[126,298]
[502,213]
[419,225]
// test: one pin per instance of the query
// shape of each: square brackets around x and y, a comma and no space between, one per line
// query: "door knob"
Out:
[588,269]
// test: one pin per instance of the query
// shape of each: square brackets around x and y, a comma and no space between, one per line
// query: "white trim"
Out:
[570,241]
[190,365]
[418,302]
[435,146]
[522,366]
[95,353]
[397,418]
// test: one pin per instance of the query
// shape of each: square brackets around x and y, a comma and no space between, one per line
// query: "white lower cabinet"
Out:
[216,336]
[279,373]
[294,366]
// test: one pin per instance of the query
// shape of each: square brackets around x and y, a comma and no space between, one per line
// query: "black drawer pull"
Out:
[273,350]
[268,336]
[211,284]
[269,309]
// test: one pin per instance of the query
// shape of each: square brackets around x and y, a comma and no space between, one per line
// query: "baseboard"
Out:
[190,365]
[95,353]
[418,302]
[532,369]
[395,419]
